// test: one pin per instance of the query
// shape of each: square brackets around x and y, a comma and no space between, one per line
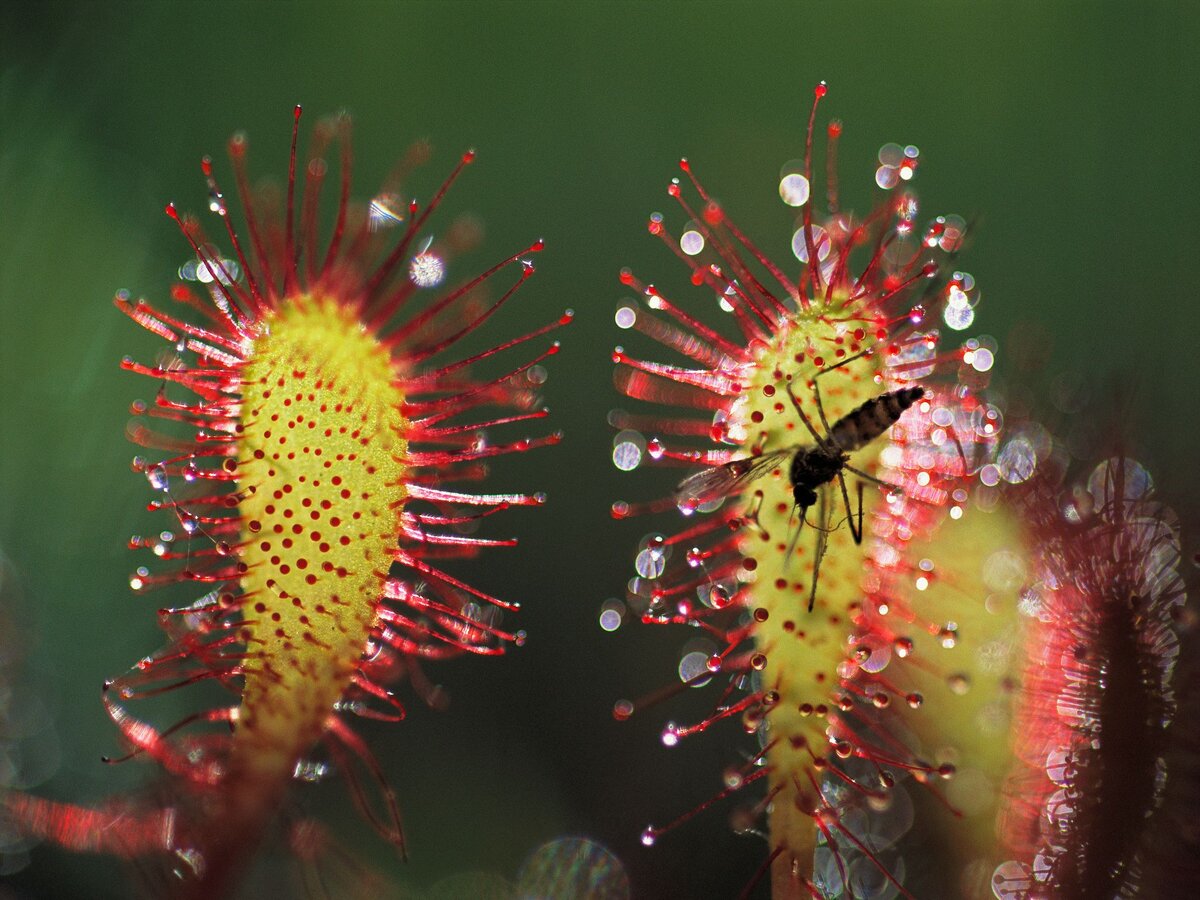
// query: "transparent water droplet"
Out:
[821,243]
[627,456]
[386,210]
[157,476]
[794,189]
[891,155]
[691,242]
[426,270]
[650,562]
[310,771]
[138,581]
[1134,480]
[1018,459]
[1011,880]
[1060,766]
[958,318]
[692,666]
[612,613]
[886,177]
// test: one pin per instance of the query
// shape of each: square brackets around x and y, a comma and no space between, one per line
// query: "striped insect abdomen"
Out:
[862,425]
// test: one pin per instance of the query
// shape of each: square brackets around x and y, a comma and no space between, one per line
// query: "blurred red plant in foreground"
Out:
[310,424]
[1097,703]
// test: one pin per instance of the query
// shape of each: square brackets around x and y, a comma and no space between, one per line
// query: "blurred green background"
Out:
[1069,130]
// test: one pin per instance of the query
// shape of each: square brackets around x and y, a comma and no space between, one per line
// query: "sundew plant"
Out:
[852,574]
[1084,814]
[313,444]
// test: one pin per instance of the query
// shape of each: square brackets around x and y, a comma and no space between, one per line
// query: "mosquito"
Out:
[812,466]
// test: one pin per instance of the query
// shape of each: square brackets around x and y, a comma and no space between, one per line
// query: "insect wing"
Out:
[721,481]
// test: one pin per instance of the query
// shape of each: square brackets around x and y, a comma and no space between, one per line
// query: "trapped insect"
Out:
[813,466]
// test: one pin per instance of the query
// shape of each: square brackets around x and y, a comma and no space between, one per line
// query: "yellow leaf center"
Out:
[322,489]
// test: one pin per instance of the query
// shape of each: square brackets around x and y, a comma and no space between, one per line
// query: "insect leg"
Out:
[887,484]
[860,511]
[795,536]
[842,362]
[827,529]
[856,533]
[820,405]
[825,371]
[819,554]
[967,469]
[805,419]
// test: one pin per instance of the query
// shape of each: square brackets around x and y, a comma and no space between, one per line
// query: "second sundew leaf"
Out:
[946,609]
[838,753]
[323,444]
